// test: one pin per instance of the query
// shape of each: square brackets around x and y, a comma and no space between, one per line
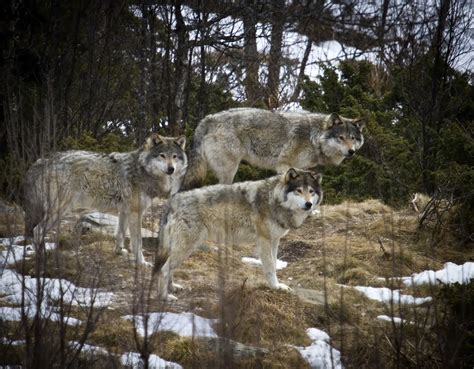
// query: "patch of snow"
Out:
[88,349]
[395,319]
[108,223]
[11,240]
[320,354]
[183,324]
[15,288]
[53,289]
[15,253]
[384,294]
[451,273]
[133,359]
[14,314]
[280,264]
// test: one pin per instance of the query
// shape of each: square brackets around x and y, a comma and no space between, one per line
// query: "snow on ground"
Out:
[133,359]
[14,252]
[15,288]
[183,324]
[320,354]
[384,294]
[88,349]
[395,319]
[451,273]
[280,264]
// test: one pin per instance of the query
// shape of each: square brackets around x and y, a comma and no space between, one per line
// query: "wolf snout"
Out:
[350,152]
[170,170]
[308,205]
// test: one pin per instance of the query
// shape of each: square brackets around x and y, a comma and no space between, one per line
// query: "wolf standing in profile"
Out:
[79,181]
[270,140]
[247,212]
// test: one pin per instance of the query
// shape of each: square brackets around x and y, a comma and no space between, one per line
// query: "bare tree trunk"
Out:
[176,117]
[304,61]
[431,127]
[251,56]
[202,97]
[275,53]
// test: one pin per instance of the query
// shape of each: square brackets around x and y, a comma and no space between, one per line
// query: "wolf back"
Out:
[258,212]
[269,140]
[81,181]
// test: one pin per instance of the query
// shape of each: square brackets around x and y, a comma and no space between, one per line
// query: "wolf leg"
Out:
[172,286]
[164,279]
[136,238]
[269,263]
[121,231]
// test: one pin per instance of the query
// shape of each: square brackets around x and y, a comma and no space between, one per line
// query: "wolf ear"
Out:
[181,141]
[318,177]
[333,120]
[361,123]
[152,140]
[291,174]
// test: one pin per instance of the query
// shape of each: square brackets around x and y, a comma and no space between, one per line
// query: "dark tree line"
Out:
[76,68]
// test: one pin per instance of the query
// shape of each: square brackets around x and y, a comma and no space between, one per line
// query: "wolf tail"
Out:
[197,166]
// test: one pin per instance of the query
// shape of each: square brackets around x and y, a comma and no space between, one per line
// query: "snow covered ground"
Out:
[451,273]
[384,294]
[183,324]
[133,359]
[15,288]
[320,354]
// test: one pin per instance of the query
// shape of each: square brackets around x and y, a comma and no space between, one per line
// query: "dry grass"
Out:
[350,244]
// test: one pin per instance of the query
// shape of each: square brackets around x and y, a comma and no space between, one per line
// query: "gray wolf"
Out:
[81,181]
[270,140]
[258,212]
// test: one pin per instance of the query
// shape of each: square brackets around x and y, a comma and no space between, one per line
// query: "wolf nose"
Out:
[351,152]
[308,205]
[170,170]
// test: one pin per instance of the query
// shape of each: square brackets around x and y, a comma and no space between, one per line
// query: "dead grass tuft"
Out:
[263,317]
[348,210]
[113,333]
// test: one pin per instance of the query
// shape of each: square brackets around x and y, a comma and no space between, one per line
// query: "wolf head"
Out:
[302,189]
[163,155]
[342,137]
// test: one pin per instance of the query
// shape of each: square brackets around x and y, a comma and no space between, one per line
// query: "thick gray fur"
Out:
[270,140]
[123,183]
[258,212]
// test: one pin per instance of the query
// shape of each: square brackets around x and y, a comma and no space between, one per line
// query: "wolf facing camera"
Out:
[258,212]
[123,183]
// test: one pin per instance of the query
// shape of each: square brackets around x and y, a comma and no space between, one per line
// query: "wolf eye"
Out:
[175,156]
[299,190]
[311,190]
[353,138]
[162,156]
[341,138]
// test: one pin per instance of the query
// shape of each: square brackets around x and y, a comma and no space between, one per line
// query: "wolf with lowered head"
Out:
[270,140]
[258,212]
[123,183]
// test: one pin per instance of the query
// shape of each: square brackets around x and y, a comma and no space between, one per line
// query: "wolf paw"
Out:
[177,287]
[171,298]
[282,286]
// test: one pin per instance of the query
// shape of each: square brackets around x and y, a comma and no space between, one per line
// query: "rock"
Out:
[107,223]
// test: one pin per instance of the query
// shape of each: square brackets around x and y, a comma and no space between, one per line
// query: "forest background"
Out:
[102,75]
